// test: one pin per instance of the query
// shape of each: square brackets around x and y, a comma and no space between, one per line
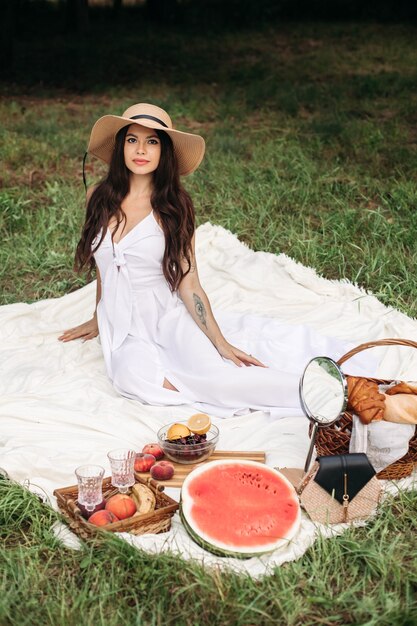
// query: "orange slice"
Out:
[199,424]
[176,431]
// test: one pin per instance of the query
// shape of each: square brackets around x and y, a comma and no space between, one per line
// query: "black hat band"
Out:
[149,117]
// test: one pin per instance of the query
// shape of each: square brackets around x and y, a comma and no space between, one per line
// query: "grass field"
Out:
[311,136]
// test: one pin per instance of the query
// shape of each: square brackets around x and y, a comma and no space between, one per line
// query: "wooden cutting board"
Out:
[182,471]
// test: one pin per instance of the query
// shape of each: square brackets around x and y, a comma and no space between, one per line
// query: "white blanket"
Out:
[58,410]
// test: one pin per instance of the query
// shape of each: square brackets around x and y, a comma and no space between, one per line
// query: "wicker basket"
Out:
[335,438]
[157,521]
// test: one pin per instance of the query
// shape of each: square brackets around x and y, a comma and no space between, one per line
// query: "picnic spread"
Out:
[59,412]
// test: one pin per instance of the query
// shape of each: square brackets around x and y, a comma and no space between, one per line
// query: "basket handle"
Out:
[150,482]
[372,344]
[74,508]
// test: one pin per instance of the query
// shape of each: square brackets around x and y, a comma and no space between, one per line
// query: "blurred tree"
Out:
[9,9]
[117,5]
[162,10]
[77,16]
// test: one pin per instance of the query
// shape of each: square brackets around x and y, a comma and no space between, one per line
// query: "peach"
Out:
[87,514]
[163,470]
[102,518]
[155,449]
[144,462]
[121,505]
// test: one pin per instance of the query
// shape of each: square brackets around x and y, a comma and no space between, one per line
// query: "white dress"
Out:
[147,334]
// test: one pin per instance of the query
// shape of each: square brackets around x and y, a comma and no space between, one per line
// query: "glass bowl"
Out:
[188,453]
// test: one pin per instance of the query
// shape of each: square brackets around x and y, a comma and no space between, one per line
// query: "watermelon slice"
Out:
[239,508]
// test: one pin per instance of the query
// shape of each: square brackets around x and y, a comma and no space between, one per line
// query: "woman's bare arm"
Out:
[198,305]
[89,329]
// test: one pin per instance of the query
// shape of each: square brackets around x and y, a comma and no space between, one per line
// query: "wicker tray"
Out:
[335,438]
[157,521]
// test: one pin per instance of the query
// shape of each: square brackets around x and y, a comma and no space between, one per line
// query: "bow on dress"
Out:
[119,306]
[120,284]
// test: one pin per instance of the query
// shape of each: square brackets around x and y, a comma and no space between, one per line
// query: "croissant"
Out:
[365,399]
[402,388]
[401,403]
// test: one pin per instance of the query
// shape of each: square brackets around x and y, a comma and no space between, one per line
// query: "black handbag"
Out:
[340,488]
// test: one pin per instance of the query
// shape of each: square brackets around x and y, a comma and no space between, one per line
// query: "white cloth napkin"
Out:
[383,442]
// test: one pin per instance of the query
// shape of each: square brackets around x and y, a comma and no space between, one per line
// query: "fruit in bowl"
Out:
[177,431]
[188,448]
[199,423]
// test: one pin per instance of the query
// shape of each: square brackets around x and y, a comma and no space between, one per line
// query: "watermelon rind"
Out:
[210,547]
[216,547]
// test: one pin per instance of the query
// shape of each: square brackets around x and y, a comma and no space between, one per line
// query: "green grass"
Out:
[312,151]
[366,576]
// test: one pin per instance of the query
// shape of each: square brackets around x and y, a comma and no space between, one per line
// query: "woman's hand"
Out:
[227,351]
[85,331]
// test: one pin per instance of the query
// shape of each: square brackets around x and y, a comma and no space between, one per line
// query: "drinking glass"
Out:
[90,481]
[122,462]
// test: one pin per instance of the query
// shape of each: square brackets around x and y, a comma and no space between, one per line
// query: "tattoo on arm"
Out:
[200,309]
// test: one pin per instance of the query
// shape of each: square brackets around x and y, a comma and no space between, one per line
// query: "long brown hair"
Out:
[170,202]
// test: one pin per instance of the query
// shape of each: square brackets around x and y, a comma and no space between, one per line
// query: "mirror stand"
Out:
[323,396]
[311,448]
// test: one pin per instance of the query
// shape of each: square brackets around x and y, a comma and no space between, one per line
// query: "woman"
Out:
[160,339]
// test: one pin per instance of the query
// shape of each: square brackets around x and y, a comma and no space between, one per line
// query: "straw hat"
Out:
[189,148]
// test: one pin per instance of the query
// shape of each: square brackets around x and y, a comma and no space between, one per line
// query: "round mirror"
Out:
[323,395]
